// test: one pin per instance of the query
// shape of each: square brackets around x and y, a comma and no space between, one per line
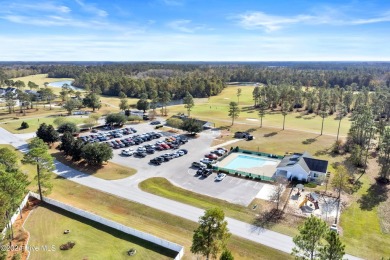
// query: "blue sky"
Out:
[194,30]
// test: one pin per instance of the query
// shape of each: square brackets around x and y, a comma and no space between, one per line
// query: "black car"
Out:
[140,154]
[155,122]
[155,161]
[207,172]
[132,129]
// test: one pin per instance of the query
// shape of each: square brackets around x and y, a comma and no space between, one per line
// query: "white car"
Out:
[180,153]
[207,161]
[127,152]
[220,176]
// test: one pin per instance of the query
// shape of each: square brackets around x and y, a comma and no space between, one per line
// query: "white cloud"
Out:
[185,26]
[261,20]
[91,8]
[10,7]
[184,47]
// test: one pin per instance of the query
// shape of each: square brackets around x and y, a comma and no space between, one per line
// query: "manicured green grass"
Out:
[162,187]
[150,220]
[46,225]
[362,233]
[34,123]
[216,110]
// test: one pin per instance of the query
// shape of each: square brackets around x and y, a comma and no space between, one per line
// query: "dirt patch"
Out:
[21,235]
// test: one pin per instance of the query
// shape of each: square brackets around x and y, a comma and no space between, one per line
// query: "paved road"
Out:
[266,237]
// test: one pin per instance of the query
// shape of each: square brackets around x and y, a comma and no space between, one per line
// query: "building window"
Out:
[315,175]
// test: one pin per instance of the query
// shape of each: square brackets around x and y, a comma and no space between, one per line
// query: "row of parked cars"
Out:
[105,136]
[133,140]
[209,159]
[168,156]
[172,142]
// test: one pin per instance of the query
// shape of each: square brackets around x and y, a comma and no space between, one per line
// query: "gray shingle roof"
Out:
[306,161]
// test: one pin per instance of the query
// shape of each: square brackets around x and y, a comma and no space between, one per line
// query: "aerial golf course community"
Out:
[195,163]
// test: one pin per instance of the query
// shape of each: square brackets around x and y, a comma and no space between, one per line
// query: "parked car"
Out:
[218,152]
[207,172]
[155,122]
[334,228]
[198,165]
[220,177]
[207,161]
[180,153]
[211,156]
[223,149]
[127,152]
[155,161]
[140,154]
[150,150]
[184,151]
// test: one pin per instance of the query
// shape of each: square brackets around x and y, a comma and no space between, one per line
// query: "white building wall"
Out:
[295,171]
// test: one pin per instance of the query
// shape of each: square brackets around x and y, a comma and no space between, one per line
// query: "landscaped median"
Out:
[108,171]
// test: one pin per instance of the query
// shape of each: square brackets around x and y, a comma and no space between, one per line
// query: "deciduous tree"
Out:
[188,102]
[96,153]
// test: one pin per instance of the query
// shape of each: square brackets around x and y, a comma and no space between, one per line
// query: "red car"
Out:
[211,156]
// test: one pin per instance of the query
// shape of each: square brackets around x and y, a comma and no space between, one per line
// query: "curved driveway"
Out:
[263,236]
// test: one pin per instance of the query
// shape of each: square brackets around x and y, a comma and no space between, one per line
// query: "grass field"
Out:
[108,171]
[147,219]
[14,126]
[46,225]
[360,221]
[216,110]
[40,79]
[162,187]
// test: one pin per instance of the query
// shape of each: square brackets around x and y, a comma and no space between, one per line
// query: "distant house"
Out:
[205,124]
[33,92]
[302,166]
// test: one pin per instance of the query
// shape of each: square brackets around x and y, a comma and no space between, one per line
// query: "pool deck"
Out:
[265,170]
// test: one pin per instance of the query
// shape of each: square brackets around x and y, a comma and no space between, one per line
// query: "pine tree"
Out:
[308,242]
[334,250]
[234,111]
[188,102]
[262,108]
[212,234]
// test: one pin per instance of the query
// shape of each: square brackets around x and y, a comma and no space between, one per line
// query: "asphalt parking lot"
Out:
[179,170]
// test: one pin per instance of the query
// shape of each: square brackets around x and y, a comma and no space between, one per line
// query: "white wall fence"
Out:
[128,230]
[15,215]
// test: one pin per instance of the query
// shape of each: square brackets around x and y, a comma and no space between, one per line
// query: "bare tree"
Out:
[279,187]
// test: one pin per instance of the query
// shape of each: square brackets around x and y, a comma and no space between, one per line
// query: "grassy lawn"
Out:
[34,123]
[162,187]
[216,110]
[108,171]
[150,220]
[361,224]
[40,79]
[46,225]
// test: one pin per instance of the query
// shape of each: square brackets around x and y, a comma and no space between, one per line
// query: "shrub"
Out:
[24,125]
[310,185]
[16,257]
[158,126]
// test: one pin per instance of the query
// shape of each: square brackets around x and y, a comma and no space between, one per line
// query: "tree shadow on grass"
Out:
[309,141]
[267,219]
[376,194]
[270,134]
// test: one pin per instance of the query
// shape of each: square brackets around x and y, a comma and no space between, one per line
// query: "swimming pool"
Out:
[244,161]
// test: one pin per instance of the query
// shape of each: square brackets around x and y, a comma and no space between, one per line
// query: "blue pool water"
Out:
[243,161]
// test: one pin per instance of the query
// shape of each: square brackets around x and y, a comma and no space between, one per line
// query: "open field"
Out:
[46,225]
[40,79]
[216,110]
[14,126]
[5,116]
[108,171]
[361,224]
[162,187]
